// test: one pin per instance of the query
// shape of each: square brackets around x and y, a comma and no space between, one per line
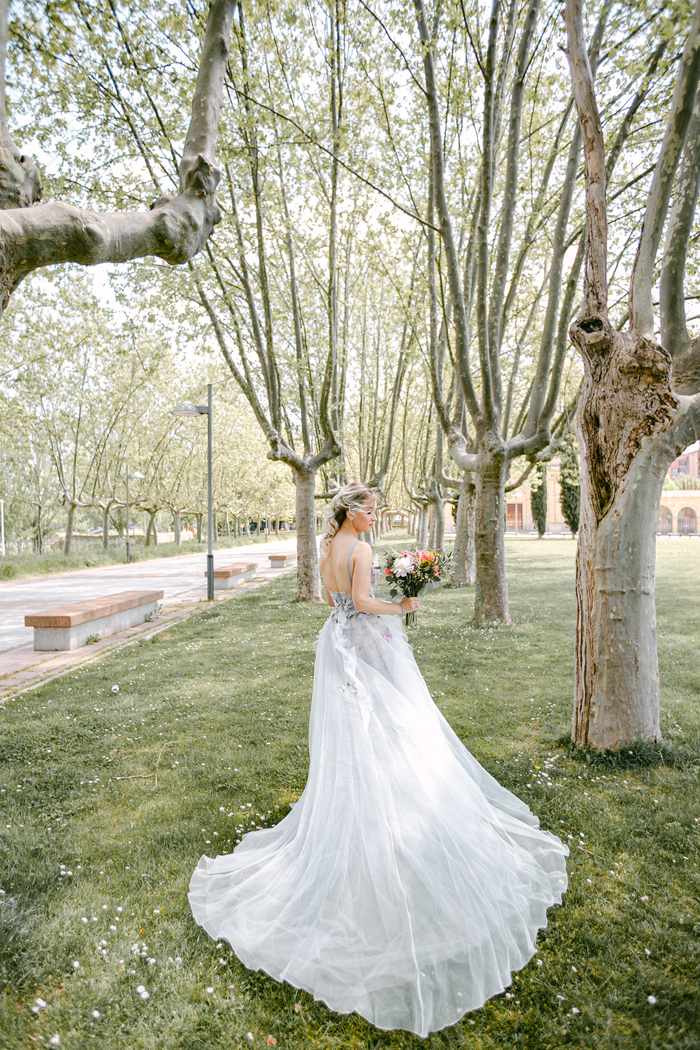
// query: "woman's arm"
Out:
[361,578]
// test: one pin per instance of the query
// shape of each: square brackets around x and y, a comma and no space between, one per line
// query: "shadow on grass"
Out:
[641,754]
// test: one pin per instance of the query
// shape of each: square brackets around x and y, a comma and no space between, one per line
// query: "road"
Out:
[177,576]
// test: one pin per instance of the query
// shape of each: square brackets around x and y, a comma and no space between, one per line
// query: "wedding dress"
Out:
[405,884]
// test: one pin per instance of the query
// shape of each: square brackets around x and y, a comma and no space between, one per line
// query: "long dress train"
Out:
[405,884]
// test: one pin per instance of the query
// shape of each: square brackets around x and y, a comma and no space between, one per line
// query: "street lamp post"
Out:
[187,409]
[128,543]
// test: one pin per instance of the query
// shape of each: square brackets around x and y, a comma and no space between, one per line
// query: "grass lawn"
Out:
[19,566]
[94,870]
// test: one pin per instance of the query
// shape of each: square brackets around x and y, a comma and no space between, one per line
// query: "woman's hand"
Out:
[410,605]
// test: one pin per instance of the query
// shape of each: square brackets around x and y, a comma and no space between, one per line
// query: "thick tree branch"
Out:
[641,307]
[446,231]
[596,281]
[175,229]
[511,179]
[674,333]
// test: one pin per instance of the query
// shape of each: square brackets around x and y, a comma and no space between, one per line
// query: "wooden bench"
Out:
[69,626]
[231,575]
[280,561]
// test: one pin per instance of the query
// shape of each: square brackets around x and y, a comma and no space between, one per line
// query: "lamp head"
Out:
[187,408]
[136,474]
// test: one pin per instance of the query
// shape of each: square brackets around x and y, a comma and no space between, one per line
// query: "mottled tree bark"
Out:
[308,575]
[491,598]
[630,425]
[464,555]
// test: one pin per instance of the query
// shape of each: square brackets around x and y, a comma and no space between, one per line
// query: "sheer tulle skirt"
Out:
[406,884]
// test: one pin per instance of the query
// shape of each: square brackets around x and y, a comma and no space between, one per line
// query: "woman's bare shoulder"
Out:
[363,551]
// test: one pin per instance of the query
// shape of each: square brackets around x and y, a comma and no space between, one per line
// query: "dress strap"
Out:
[349,557]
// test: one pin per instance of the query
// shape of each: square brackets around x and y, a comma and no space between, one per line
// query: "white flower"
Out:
[140,988]
[83,920]
[402,566]
[55,1040]
[652,1000]
[41,1003]
[249,1035]
[575,1010]
[210,991]
[76,965]
[144,996]
[96,1014]
[150,962]
[120,909]
[156,911]
[115,688]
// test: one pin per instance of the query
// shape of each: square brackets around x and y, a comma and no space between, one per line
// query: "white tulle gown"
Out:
[405,884]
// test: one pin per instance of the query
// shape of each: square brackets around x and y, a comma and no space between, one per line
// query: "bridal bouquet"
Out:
[412,572]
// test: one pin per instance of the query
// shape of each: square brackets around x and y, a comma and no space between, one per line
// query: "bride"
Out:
[405,884]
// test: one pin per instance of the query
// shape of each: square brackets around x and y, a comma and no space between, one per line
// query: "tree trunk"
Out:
[199,527]
[176,526]
[491,599]
[617,673]
[422,529]
[463,557]
[623,420]
[438,537]
[67,543]
[308,576]
[151,528]
[39,531]
[105,525]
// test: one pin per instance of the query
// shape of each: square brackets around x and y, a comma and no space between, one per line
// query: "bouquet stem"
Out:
[411,619]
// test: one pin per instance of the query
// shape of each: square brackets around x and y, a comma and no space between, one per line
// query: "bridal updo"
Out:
[350,499]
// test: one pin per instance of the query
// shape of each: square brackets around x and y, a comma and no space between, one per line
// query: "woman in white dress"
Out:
[405,884]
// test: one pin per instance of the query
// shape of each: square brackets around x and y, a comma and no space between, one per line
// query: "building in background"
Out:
[687,465]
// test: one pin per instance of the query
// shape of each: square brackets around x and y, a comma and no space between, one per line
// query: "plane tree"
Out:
[638,407]
[505,235]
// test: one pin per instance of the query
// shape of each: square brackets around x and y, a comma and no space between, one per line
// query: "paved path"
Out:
[181,579]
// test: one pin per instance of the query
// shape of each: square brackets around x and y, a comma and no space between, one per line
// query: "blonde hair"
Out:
[348,500]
